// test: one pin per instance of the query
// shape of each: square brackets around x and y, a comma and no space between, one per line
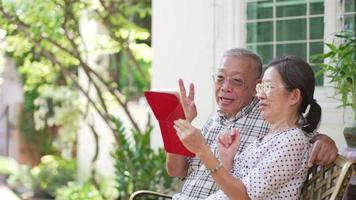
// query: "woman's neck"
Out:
[283,124]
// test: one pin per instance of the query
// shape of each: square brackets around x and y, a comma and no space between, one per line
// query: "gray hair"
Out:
[236,52]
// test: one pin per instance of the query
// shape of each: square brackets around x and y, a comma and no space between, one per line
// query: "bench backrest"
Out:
[330,181]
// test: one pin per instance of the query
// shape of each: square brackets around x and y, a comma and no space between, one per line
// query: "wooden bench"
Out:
[323,182]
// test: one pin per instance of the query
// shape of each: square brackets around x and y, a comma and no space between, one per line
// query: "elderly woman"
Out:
[275,166]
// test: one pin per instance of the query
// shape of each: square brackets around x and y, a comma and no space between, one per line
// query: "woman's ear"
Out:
[255,83]
[295,96]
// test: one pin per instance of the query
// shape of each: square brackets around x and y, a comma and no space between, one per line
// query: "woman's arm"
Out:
[195,142]
[231,186]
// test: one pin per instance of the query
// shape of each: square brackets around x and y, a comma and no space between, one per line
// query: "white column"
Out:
[183,47]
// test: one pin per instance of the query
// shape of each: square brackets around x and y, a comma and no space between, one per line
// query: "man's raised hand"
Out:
[190,110]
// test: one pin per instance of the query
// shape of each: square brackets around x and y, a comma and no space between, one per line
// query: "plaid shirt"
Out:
[199,184]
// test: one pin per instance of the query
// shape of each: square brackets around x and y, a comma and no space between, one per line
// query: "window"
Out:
[349,15]
[280,27]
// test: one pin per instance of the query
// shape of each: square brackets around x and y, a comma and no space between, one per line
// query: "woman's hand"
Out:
[189,108]
[190,136]
[228,144]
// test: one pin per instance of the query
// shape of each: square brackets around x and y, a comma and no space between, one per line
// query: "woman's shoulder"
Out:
[295,134]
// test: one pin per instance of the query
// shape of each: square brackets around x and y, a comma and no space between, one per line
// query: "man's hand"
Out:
[190,136]
[189,107]
[324,150]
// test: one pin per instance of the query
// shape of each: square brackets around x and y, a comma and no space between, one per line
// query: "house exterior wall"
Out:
[189,38]
[183,47]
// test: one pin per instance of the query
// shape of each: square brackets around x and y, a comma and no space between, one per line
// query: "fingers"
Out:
[191,92]
[222,141]
[183,127]
[179,125]
[313,153]
[236,139]
[326,155]
[183,93]
[322,153]
[229,138]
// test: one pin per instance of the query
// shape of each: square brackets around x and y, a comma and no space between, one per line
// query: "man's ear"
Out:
[295,96]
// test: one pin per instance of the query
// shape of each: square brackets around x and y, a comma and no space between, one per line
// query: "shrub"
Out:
[138,166]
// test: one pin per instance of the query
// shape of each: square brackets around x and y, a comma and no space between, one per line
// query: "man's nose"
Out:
[226,86]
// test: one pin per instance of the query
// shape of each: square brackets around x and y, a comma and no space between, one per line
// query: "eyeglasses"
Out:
[235,81]
[266,88]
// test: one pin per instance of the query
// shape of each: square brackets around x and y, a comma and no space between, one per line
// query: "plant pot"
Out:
[350,136]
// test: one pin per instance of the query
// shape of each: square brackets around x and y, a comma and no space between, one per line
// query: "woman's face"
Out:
[273,96]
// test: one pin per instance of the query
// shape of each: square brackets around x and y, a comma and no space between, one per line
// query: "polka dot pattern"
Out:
[274,168]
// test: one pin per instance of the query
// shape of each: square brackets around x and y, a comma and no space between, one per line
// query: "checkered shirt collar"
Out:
[245,111]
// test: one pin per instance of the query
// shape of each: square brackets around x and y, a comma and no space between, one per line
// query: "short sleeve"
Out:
[285,160]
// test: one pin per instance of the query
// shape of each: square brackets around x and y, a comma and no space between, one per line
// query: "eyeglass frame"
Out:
[266,90]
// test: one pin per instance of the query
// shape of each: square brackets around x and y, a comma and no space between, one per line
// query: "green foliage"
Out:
[78,191]
[20,179]
[138,166]
[59,107]
[87,190]
[45,40]
[53,172]
[341,68]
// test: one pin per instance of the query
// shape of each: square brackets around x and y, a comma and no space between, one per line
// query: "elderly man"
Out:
[235,83]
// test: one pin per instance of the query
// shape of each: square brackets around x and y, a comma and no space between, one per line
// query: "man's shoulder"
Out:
[252,110]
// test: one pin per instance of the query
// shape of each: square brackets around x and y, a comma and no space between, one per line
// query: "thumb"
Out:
[314,153]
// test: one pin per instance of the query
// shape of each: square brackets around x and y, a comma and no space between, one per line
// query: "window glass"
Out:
[350,5]
[349,23]
[259,32]
[293,29]
[291,8]
[314,49]
[264,51]
[287,0]
[298,49]
[316,7]
[280,27]
[259,10]
[316,28]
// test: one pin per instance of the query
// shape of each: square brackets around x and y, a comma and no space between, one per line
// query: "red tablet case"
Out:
[167,108]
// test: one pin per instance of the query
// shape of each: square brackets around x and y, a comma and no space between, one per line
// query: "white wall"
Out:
[183,48]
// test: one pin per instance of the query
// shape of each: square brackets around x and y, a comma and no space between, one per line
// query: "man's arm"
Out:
[176,165]
[324,150]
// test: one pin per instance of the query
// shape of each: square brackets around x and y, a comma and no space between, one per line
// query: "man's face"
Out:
[235,83]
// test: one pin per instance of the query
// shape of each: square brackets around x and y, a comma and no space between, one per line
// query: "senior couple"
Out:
[261,141]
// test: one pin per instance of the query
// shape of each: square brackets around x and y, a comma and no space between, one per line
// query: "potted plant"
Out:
[341,69]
